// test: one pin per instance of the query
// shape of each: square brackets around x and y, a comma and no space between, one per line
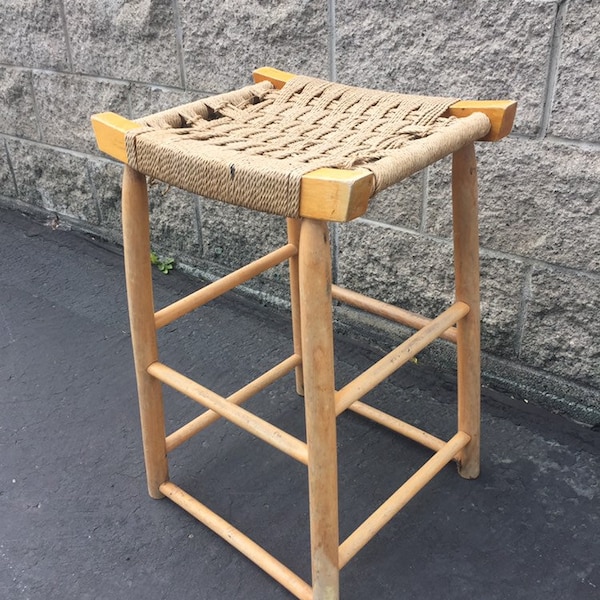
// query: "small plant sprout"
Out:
[162,263]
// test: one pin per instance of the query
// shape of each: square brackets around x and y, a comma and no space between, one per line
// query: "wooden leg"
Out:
[317,348]
[293,227]
[138,274]
[466,262]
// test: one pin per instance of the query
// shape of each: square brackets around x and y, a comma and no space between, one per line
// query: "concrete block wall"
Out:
[62,60]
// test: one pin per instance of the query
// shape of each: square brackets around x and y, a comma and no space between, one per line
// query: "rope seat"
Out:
[252,146]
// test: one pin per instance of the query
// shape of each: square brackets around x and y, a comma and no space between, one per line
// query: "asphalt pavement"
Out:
[76,521]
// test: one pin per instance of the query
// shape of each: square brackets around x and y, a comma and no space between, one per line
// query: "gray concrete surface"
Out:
[75,519]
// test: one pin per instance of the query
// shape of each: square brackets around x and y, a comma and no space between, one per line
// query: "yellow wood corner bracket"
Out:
[110,129]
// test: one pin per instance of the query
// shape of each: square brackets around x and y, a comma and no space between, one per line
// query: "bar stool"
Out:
[314,152]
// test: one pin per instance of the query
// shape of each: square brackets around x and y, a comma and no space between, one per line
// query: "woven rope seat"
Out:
[251,147]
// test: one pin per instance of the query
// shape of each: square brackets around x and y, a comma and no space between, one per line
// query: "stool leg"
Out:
[466,263]
[319,389]
[138,275]
[293,227]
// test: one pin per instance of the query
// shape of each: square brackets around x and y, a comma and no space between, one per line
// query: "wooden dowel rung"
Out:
[387,311]
[213,290]
[239,541]
[372,525]
[190,429]
[397,425]
[383,368]
[236,414]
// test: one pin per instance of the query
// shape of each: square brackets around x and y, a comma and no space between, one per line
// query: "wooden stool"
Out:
[314,152]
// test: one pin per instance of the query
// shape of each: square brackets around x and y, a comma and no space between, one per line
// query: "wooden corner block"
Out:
[275,76]
[501,114]
[335,194]
[110,129]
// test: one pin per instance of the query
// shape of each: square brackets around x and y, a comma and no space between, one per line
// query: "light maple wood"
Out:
[336,194]
[466,266]
[373,524]
[110,129]
[293,229]
[405,429]
[501,113]
[244,419]
[181,307]
[238,540]
[387,311]
[317,349]
[207,418]
[274,76]
[138,275]
[390,363]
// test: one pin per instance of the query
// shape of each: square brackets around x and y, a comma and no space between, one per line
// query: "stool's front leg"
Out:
[138,274]
[466,262]
[319,389]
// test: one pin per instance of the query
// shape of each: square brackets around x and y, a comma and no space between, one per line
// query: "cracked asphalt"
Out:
[76,521]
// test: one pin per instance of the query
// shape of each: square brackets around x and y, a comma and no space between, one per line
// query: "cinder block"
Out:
[7,185]
[17,108]
[575,108]
[53,180]
[66,102]
[537,200]
[400,204]
[136,41]
[32,34]
[561,325]
[502,288]
[174,222]
[416,273]
[173,212]
[147,99]
[476,49]
[396,266]
[233,237]
[225,41]
[545,388]
[106,177]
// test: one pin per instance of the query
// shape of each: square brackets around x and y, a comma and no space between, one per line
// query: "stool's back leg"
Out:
[293,227]
[466,262]
[319,389]
[138,274]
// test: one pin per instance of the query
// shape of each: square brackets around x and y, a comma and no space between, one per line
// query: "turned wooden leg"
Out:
[466,261]
[317,349]
[293,227]
[138,274]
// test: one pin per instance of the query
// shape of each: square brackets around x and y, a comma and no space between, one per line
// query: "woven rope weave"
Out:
[251,147]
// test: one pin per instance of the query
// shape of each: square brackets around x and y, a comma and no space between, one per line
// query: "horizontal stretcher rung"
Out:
[213,290]
[387,311]
[238,540]
[406,429]
[190,429]
[383,368]
[383,515]
[236,414]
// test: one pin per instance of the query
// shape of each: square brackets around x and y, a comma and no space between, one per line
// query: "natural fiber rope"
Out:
[251,147]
